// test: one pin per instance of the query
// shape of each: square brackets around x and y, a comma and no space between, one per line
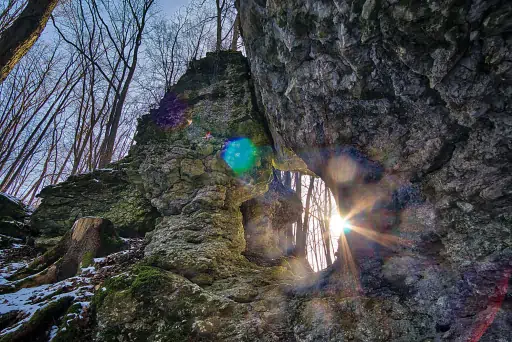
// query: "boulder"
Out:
[403,108]
[106,193]
[12,216]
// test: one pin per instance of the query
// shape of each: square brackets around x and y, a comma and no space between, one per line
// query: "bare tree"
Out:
[118,26]
[325,224]
[302,233]
[289,228]
[39,91]
[18,35]
[220,8]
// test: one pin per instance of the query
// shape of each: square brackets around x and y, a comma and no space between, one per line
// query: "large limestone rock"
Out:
[202,154]
[107,193]
[206,122]
[404,109]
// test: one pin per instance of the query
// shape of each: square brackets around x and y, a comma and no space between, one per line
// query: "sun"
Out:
[339,225]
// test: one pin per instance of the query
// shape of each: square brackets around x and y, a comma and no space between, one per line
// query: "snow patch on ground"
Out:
[53,333]
[88,270]
[10,269]
[29,300]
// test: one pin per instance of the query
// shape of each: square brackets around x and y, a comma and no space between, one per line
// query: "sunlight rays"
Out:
[349,265]
[338,225]
[386,240]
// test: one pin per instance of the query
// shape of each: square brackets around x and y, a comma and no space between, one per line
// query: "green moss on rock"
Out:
[39,322]
[87,259]
[110,194]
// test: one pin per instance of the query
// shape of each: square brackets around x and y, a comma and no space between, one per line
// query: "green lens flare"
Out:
[240,155]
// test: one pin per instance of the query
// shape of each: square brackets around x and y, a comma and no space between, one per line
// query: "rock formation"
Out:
[411,101]
[107,193]
[201,154]
[402,107]
[13,214]
[265,219]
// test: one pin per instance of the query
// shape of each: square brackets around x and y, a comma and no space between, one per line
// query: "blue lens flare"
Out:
[240,155]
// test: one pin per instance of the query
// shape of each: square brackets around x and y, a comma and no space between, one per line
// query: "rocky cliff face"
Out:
[13,214]
[402,107]
[202,154]
[411,101]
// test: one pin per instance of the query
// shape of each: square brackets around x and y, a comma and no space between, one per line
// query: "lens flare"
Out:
[240,155]
[172,112]
[339,225]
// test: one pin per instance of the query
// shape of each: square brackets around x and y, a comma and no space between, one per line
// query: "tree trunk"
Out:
[220,5]
[17,39]
[298,230]
[302,238]
[111,134]
[326,235]
[289,227]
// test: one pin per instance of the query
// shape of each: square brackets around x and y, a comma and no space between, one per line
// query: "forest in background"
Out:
[71,104]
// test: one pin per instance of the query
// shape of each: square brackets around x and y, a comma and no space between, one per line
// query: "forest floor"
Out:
[19,309]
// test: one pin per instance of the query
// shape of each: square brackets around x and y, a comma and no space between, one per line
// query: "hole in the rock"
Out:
[275,227]
[357,219]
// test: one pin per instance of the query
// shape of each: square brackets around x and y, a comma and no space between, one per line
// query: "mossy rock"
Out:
[12,215]
[74,326]
[103,193]
[40,322]
[175,304]
[12,207]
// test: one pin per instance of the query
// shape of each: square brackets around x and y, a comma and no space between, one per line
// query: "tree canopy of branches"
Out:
[66,107]
[70,105]
[108,36]
[19,29]
[187,35]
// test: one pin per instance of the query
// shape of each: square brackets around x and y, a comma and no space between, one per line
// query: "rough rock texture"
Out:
[194,279]
[12,217]
[185,174]
[403,108]
[107,193]
[265,219]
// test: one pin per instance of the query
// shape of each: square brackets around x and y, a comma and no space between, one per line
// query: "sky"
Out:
[167,7]
[171,6]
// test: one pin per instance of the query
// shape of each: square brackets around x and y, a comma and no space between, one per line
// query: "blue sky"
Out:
[171,6]
[168,7]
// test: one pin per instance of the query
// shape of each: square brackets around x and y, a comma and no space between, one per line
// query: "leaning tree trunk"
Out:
[17,39]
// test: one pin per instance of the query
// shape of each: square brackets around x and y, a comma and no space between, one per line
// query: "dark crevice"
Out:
[446,152]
